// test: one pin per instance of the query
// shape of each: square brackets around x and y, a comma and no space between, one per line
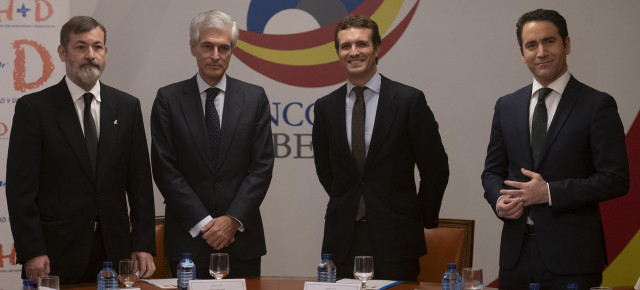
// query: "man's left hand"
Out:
[535,191]
[145,261]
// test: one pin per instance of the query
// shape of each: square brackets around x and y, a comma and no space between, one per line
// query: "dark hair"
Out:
[360,22]
[543,15]
[78,25]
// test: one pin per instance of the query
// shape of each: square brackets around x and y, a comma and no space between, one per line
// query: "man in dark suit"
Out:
[368,136]
[212,155]
[557,150]
[72,167]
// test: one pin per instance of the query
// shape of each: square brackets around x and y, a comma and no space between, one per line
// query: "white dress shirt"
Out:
[78,102]
[371,96]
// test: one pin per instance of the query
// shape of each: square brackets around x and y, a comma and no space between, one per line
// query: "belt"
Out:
[530,230]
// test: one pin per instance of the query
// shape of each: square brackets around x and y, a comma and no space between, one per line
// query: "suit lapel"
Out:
[385,114]
[109,129]
[522,122]
[191,106]
[338,122]
[567,102]
[234,99]
[67,119]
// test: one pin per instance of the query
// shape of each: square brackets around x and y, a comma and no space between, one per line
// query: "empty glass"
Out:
[48,283]
[129,272]
[363,269]
[219,265]
[472,278]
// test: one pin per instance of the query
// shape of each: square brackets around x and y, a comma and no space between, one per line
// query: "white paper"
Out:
[371,284]
[224,284]
[637,285]
[330,286]
[171,283]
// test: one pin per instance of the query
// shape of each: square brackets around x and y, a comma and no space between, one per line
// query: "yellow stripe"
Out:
[309,56]
[386,14]
[326,53]
[623,271]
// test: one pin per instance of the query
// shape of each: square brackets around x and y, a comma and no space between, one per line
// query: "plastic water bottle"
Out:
[107,278]
[451,280]
[326,269]
[27,284]
[572,286]
[186,271]
[534,286]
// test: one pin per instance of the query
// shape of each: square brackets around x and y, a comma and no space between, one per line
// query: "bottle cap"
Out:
[572,286]
[106,264]
[186,255]
[326,256]
[27,282]
[534,286]
[451,266]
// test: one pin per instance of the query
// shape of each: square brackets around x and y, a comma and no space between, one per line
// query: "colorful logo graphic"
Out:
[309,59]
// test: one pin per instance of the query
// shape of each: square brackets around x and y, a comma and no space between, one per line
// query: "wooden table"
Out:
[272,283]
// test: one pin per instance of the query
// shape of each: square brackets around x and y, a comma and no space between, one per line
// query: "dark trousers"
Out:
[362,245]
[531,269]
[237,268]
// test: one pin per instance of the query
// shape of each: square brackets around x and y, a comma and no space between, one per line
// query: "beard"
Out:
[88,73]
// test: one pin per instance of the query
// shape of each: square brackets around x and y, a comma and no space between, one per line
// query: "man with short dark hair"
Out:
[212,155]
[557,149]
[368,137]
[77,154]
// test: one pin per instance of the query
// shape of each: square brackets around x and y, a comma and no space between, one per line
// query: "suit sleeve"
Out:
[611,169]
[496,165]
[253,189]
[140,189]
[321,149]
[431,160]
[166,173]
[23,171]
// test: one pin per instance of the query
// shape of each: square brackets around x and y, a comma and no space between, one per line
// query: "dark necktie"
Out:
[357,140]
[90,135]
[212,120]
[539,127]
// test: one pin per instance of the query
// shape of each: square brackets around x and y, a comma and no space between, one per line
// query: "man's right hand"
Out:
[37,267]
[509,207]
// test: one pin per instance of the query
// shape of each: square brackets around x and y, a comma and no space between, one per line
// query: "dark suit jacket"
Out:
[194,187]
[405,134]
[585,163]
[53,194]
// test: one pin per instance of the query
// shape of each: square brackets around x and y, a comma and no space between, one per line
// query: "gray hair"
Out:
[212,19]
[79,25]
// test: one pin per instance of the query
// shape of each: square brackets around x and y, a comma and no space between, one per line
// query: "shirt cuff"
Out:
[195,230]
[549,192]
[241,227]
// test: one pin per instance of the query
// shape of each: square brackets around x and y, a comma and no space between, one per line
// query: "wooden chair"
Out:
[450,242]
[162,264]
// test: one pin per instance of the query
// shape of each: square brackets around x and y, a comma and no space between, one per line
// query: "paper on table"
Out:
[170,283]
[637,285]
[372,284]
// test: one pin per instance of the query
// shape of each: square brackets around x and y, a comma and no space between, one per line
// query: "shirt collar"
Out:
[203,86]
[373,84]
[558,85]
[77,92]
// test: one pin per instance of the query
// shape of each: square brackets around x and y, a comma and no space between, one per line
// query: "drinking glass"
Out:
[219,265]
[129,272]
[472,278]
[48,283]
[363,269]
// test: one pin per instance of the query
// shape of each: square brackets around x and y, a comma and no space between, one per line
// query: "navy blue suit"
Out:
[584,163]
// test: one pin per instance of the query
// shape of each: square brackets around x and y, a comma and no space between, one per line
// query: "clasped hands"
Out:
[220,232]
[535,191]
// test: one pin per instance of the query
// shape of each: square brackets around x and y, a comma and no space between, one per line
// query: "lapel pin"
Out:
[115,122]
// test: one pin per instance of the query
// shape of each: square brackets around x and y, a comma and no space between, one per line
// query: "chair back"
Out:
[450,242]
[162,264]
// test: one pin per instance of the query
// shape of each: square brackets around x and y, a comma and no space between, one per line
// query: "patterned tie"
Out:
[357,140]
[539,127]
[90,135]
[212,120]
